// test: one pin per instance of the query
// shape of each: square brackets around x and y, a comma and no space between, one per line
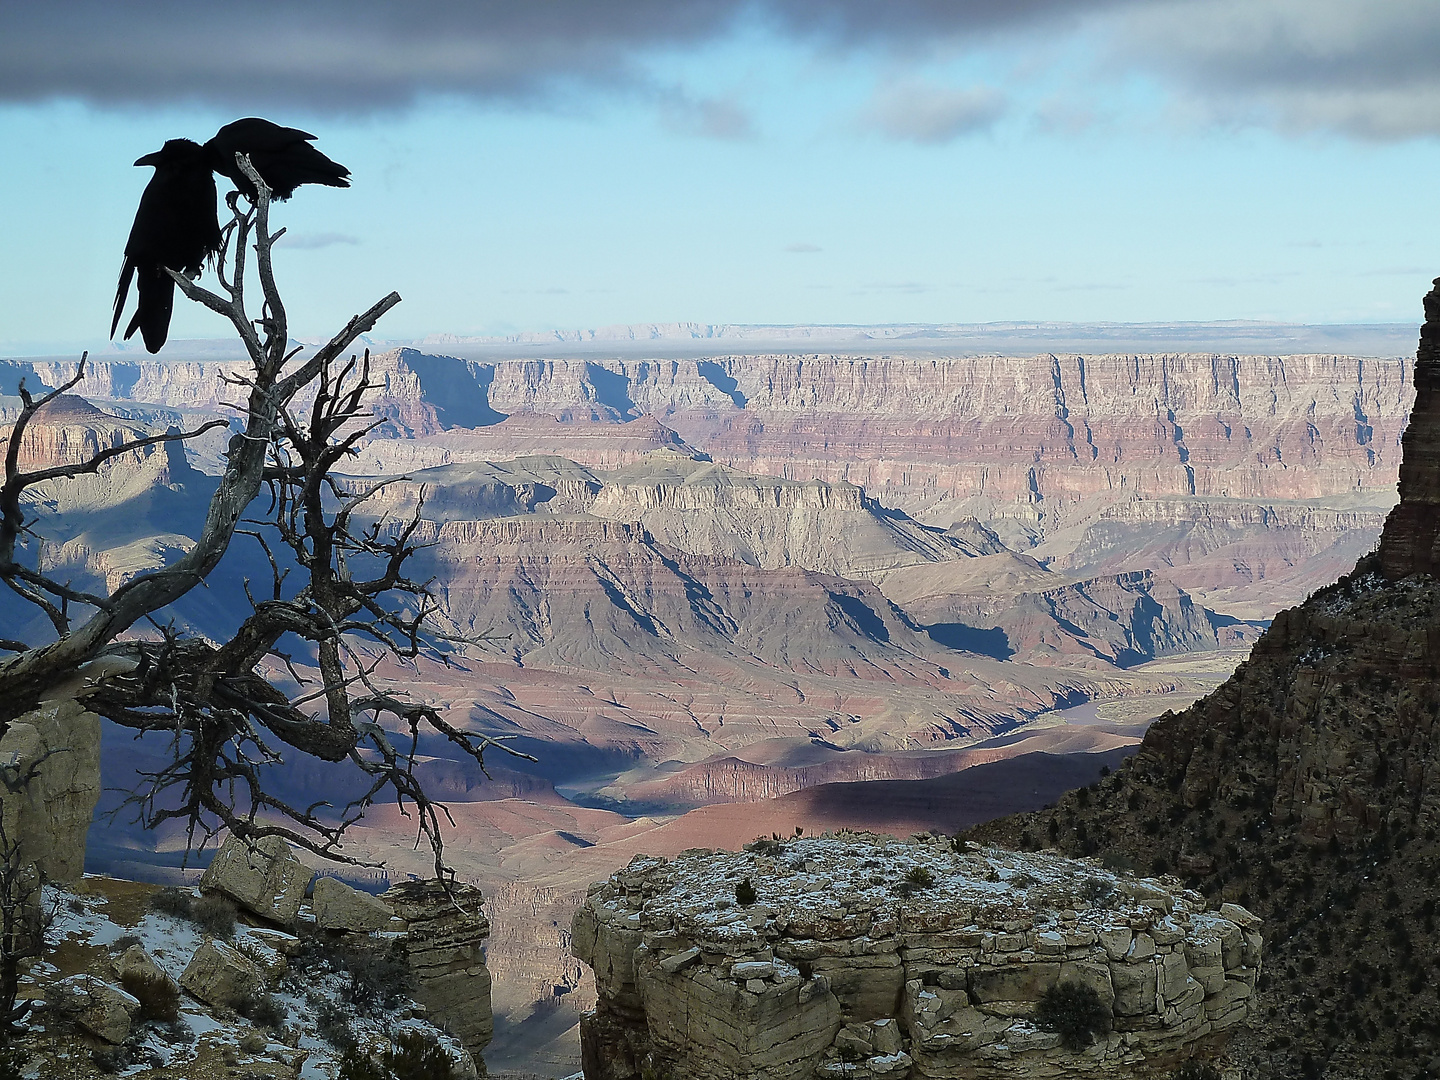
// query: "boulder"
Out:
[339,907]
[135,961]
[99,1008]
[219,974]
[267,880]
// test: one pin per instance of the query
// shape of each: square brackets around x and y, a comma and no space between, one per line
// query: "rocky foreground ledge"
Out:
[862,956]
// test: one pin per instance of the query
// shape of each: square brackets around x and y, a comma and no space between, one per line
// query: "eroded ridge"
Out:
[861,956]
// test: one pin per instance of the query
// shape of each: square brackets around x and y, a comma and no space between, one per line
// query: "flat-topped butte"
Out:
[866,956]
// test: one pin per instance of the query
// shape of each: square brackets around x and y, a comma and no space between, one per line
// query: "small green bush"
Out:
[915,879]
[411,1056]
[378,978]
[173,901]
[355,1065]
[215,916]
[264,1009]
[1195,1069]
[414,1057]
[158,996]
[921,877]
[333,1025]
[1075,1012]
[745,894]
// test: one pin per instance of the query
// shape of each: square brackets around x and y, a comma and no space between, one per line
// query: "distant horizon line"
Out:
[1257,336]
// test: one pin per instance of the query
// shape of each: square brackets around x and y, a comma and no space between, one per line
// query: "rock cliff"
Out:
[1411,542]
[1063,451]
[856,956]
[1308,788]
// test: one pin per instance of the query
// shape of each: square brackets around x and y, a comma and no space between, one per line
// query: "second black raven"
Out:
[175,228]
[282,156]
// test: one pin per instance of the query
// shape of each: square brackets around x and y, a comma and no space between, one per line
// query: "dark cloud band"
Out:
[1356,66]
[366,54]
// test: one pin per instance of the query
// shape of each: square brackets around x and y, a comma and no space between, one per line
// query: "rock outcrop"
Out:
[859,956]
[445,946]
[1307,787]
[1411,541]
[58,747]
[267,879]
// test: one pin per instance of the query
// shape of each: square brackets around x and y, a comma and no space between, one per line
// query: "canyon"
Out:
[735,594]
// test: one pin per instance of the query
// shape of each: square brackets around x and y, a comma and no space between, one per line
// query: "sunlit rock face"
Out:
[862,956]
[1411,541]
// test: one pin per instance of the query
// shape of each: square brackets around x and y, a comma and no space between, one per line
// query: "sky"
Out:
[567,164]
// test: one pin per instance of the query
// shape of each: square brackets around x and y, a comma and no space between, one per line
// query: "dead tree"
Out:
[226,719]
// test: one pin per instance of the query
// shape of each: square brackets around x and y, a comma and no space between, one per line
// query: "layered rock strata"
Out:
[50,759]
[445,945]
[862,956]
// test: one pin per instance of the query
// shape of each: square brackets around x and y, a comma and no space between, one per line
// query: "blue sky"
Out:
[775,163]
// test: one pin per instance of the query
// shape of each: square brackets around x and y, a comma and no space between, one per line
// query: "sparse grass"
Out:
[173,901]
[215,916]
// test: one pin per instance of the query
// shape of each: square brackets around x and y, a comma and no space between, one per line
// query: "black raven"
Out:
[282,156]
[175,227]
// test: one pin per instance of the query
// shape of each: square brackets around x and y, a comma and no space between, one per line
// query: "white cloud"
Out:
[926,112]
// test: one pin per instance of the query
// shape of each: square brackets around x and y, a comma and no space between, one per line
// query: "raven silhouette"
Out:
[176,228]
[282,156]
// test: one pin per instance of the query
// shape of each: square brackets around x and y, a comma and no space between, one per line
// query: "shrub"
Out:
[1115,860]
[745,894]
[159,997]
[378,978]
[215,915]
[333,1025]
[414,1057]
[1075,1012]
[124,941]
[264,1009]
[411,1056]
[920,877]
[915,879]
[13,1060]
[173,901]
[356,1065]
[1195,1069]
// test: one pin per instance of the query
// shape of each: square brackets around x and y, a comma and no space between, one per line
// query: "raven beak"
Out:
[149,159]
